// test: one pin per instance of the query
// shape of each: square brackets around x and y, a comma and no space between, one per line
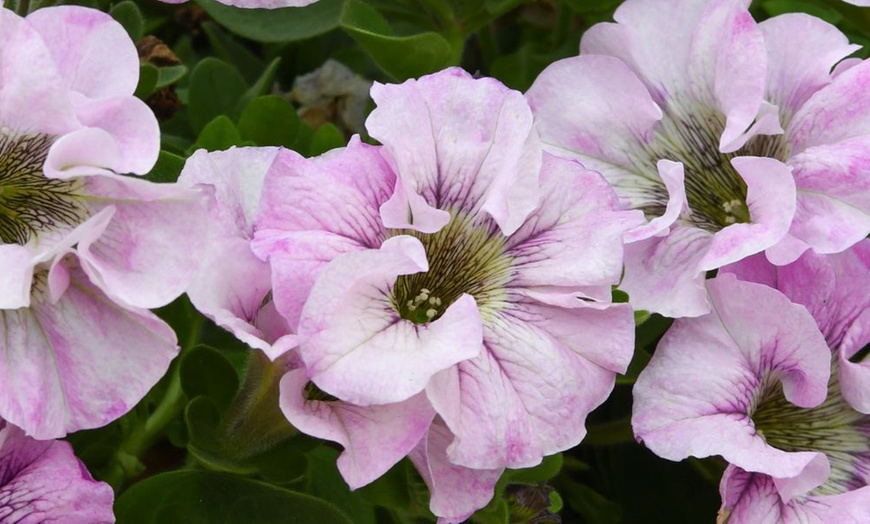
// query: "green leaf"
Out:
[779,7]
[402,57]
[215,89]
[325,481]
[277,25]
[325,138]
[205,371]
[127,14]
[226,48]
[218,135]
[262,86]
[148,75]
[591,505]
[169,75]
[208,497]
[547,469]
[269,121]
[167,168]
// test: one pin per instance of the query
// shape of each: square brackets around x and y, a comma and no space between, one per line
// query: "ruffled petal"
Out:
[525,396]
[32,97]
[374,437]
[575,237]
[663,274]
[151,250]
[353,342]
[752,498]
[93,52]
[232,282]
[16,277]
[833,194]
[695,396]
[834,113]
[770,197]
[456,491]
[80,362]
[461,143]
[801,52]
[604,119]
[42,481]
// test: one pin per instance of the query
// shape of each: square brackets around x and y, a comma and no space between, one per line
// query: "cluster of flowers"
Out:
[446,295]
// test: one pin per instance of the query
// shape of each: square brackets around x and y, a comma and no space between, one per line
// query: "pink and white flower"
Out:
[42,481]
[456,270]
[752,382]
[733,137]
[232,286]
[83,250]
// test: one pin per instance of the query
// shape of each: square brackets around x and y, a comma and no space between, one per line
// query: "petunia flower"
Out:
[733,137]
[456,268]
[752,382]
[233,287]
[42,481]
[83,250]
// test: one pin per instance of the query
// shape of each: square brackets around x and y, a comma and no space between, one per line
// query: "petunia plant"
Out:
[408,261]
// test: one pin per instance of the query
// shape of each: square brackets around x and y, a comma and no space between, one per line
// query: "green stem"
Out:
[170,406]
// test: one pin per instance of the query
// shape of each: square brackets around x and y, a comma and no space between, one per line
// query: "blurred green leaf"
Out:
[400,56]
[215,89]
[325,138]
[818,9]
[591,505]
[167,168]
[277,25]
[169,75]
[229,50]
[208,497]
[269,121]
[148,75]
[205,371]
[547,469]
[127,14]
[218,135]
[326,482]
[263,85]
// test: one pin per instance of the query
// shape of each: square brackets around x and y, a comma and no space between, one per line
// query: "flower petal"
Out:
[801,51]
[151,250]
[80,362]
[461,143]
[752,498]
[525,396]
[457,492]
[374,437]
[663,274]
[604,119]
[93,52]
[356,346]
[830,115]
[695,396]
[771,201]
[833,194]
[575,237]
[855,376]
[32,98]
[44,482]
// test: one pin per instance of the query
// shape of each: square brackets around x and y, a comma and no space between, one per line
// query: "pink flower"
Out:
[733,137]
[42,481]
[457,271]
[751,382]
[232,286]
[84,251]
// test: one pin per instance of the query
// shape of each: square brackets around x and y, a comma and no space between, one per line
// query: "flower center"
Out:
[832,428]
[464,257]
[715,191]
[30,203]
